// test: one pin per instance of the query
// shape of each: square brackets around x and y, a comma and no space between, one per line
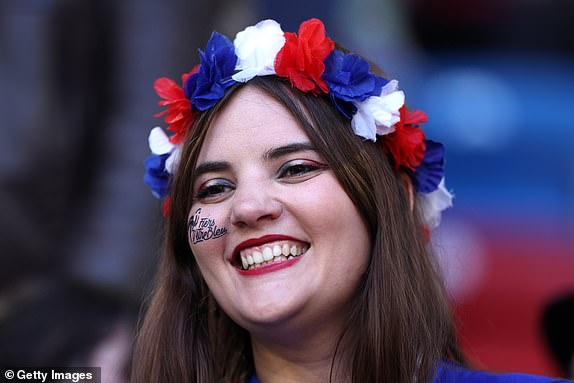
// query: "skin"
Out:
[260,176]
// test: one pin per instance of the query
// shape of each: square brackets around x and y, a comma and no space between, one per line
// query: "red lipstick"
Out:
[269,268]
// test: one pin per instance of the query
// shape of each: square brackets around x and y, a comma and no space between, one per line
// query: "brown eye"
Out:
[298,170]
[214,189]
[294,169]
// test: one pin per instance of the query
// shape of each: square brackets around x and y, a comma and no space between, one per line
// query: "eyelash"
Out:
[299,169]
[213,189]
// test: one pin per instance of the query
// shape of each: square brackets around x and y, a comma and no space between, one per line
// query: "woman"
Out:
[299,194]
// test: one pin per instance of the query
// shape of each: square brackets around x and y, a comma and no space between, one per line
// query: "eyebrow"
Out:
[287,149]
[213,166]
[273,153]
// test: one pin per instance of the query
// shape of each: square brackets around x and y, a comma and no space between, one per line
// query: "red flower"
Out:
[301,58]
[179,115]
[406,145]
[165,206]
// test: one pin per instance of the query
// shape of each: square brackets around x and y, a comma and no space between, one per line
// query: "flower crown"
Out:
[375,105]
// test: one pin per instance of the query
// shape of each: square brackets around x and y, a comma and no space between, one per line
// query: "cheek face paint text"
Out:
[201,229]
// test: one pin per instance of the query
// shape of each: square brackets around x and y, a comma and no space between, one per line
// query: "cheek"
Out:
[332,217]
[329,208]
[205,229]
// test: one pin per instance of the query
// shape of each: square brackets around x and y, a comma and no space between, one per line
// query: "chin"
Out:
[267,313]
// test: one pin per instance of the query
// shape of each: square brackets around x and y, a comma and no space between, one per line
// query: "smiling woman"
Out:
[296,244]
[277,192]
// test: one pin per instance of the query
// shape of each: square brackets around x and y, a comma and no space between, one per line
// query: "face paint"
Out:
[201,229]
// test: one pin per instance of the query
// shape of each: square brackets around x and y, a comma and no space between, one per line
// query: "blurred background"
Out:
[80,232]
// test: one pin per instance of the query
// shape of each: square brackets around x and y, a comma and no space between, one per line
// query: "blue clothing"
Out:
[452,373]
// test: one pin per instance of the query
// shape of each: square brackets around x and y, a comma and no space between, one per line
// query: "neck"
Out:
[285,356]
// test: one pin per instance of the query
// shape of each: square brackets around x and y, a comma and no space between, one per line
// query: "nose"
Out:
[253,206]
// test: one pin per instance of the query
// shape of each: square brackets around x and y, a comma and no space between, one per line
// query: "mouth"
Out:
[256,253]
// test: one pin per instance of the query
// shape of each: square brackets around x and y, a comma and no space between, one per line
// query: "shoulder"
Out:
[450,373]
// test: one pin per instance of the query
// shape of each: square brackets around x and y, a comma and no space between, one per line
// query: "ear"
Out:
[406,180]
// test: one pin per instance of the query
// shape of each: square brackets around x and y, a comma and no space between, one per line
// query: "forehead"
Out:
[251,122]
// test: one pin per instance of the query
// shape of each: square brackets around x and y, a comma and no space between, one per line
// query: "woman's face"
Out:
[275,236]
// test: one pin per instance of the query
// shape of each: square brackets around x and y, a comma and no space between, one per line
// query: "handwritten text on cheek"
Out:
[201,229]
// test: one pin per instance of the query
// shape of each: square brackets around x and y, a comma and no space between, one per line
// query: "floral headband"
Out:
[375,105]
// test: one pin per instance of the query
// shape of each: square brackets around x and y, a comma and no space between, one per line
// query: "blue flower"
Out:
[350,81]
[427,176]
[208,85]
[156,176]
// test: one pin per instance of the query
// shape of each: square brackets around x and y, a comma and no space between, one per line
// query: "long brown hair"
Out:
[399,325]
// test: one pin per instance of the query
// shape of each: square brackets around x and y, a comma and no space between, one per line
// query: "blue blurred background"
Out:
[496,78]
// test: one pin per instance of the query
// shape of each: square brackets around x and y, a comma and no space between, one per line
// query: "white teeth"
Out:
[276,250]
[257,257]
[267,253]
[279,252]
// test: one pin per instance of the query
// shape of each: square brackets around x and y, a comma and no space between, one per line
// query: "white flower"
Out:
[379,114]
[432,204]
[363,123]
[160,144]
[172,161]
[256,48]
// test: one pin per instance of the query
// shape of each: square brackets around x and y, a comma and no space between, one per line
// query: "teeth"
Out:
[251,258]
[276,250]
[257,257]
[267,253]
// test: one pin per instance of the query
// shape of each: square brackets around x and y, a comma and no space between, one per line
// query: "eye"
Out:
[213,190]
[300,169]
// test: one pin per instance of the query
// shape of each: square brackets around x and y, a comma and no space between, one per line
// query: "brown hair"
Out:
[399,325]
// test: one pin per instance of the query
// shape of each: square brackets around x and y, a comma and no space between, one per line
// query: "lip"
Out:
[258,242]
[269,268]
